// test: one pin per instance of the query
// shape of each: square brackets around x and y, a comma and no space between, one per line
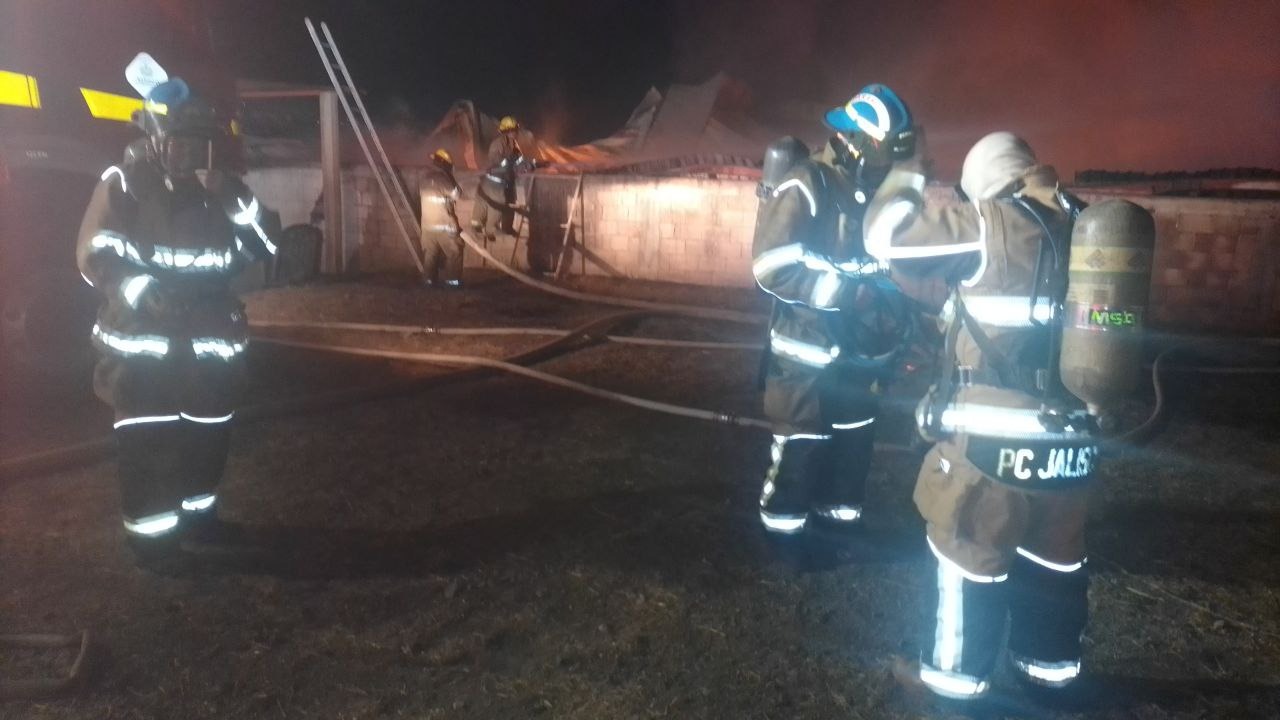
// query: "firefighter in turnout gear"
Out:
[496,194]
[1003,491]
[822,368]
[441,234]
[162,237]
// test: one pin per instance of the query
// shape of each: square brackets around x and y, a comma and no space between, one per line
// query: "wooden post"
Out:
[563,262]
[528,207]
[331,187]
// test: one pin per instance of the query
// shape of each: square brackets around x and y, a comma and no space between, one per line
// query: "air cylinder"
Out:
[1110,275]
[781,155]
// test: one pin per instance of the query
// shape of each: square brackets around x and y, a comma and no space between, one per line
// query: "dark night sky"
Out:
[1117,84]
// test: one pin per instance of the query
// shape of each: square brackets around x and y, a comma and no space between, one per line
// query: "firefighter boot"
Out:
[840,479]
[784,499]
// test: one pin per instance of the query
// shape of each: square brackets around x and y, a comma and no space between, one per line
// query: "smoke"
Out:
[1091,84]
[552,116]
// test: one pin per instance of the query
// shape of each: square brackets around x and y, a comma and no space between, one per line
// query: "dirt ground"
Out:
[499,548]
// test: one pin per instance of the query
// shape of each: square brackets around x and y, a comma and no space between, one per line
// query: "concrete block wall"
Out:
[674,229]
[1216,265]
[1217,261]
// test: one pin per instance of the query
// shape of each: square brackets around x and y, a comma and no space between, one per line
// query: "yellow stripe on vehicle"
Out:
[109,106]
[20,90]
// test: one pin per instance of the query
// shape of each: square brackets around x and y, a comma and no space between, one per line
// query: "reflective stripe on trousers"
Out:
[160,524]
[943,675]
[153,525]
[1050,674]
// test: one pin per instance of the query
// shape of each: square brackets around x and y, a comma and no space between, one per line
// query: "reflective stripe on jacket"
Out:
[987,250]
[807,248]
[164,258]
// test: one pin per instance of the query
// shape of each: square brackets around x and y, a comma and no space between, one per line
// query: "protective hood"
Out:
[993,163]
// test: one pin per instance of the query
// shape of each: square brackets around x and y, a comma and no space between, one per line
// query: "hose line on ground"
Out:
[672,308]
[541,332]
[99,449]
[1147,430]
[484,362]
[480,361]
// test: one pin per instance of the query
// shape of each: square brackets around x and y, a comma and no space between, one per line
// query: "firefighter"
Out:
[496,194]
[441,234]
[1003,490]
[819,387]
[162,237]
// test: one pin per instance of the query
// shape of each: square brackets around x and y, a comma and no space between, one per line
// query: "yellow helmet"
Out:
[508,124]
[442,157]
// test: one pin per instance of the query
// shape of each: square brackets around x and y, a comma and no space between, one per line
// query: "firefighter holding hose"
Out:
[1003,492]
[162,237]
[496,193]
[837,321]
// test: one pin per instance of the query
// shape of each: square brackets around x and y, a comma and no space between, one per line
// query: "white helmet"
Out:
[993,163]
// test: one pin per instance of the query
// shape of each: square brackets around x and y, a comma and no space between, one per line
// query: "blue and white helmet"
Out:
[879,115]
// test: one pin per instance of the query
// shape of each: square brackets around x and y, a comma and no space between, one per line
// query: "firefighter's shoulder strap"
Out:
[998,361]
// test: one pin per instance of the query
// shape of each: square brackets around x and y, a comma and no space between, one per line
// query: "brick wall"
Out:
[1217,262]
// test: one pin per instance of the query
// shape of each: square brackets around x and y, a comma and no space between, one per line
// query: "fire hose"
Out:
[484,362]
[1147,430]
[101,448]
[669,308]
[429,330]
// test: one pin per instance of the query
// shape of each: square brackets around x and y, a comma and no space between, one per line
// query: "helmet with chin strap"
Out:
[181,128]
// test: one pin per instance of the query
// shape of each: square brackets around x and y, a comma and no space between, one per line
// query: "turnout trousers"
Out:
[492,220]
[823,431]
[442,257]
[999,552]
[173,429]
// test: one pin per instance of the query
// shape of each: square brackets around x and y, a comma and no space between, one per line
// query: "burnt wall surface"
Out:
[1217,261]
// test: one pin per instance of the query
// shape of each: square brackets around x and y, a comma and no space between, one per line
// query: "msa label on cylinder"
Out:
[1104,317]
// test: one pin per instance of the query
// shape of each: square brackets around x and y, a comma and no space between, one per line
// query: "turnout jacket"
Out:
[163,257]
[807,254]
[440,194]
[988,252]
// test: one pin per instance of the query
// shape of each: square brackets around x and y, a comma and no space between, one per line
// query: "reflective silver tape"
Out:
[1001,422]
[151,345]
[117,243]
[152,525]
[192,259]
[804,189]
[212,347]
[1008,310]
[199,503]
[801,352]
[1050,674]
[952,684]
[208,420]
[840,513]
[133,288]
[784,524]
[1057,567]
[144,420]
